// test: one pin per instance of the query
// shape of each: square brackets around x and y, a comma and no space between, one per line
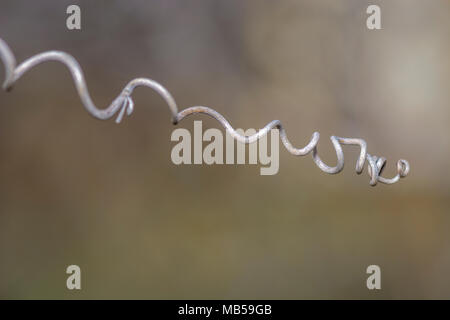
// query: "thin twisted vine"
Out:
[124,104]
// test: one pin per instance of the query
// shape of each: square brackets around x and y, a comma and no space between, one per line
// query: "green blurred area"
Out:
[107,197]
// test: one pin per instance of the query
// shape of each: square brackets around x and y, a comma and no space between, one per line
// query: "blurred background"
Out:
[107,197]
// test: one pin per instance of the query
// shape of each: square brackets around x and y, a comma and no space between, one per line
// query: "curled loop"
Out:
[124,104]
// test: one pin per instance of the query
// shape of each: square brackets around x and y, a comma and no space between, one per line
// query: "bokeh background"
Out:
[76,190]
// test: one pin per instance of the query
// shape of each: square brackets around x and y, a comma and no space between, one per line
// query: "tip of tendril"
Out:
[403,168]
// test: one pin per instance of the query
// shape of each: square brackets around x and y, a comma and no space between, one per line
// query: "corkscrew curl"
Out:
[124,104]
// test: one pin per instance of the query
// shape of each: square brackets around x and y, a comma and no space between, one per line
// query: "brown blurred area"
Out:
[106,197]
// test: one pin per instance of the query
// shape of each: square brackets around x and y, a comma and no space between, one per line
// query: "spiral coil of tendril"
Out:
[124,103]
